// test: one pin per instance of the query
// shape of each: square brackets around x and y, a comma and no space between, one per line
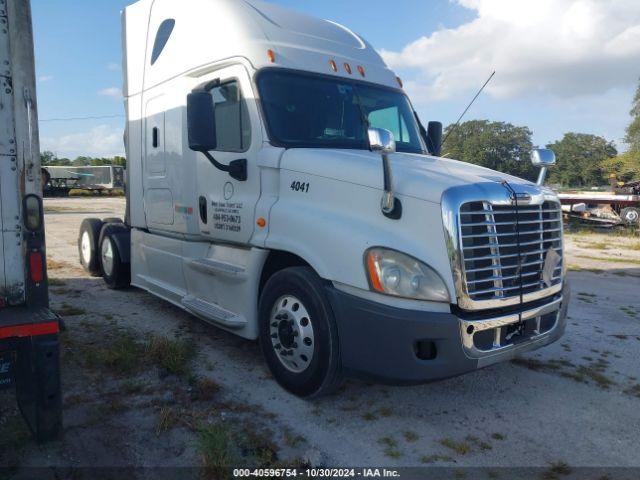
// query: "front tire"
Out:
[298,333]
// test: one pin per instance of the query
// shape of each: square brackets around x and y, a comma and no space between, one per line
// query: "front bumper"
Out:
[382,342]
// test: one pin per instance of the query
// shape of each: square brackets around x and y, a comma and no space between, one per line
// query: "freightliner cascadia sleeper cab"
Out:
[282,187]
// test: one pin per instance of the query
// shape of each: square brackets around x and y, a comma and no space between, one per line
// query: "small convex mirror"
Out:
[381,140]
[543,157]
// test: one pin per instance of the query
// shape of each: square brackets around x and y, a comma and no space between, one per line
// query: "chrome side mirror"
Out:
[543,158]
[381,140]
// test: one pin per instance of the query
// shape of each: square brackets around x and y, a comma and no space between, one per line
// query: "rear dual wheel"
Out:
[99,251]
[298,333]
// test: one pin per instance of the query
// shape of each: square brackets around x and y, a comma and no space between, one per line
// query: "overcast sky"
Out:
[562,65]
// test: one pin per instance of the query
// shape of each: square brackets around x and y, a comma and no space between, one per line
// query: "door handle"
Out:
[202,207]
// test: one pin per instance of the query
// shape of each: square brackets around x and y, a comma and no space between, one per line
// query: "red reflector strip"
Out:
[36,267]
[22,331]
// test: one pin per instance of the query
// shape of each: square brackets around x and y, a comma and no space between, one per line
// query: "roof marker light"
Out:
[347,67]
[333,65]
[272,56]
[361,70]
[400,82]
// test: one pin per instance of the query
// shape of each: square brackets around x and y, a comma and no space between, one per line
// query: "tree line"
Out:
[49,159]
[584,160]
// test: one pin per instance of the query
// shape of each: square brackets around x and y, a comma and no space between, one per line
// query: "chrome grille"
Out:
[494,258]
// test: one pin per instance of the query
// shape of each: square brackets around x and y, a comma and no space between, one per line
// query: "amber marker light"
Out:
[400,82]
[361,70]
[333,65]
[272,56]
[347,67]
[261,222]
[374,274]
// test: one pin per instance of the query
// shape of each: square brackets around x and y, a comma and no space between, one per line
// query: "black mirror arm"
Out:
[424,134]
[236,169]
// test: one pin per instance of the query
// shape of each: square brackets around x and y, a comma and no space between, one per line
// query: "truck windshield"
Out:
[313,111]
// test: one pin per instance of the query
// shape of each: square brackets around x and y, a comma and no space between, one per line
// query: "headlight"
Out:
[397,274]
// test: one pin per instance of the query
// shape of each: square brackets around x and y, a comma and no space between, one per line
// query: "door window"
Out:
[233,128]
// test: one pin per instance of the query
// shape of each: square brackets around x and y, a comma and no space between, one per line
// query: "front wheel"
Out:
[298,333]
[115,272]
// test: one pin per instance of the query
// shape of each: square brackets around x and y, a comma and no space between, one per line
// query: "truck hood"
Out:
[420,176]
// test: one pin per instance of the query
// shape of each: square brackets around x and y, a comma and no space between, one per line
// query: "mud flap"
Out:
[37,380]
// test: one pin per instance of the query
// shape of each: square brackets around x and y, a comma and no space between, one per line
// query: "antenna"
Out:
[468,107]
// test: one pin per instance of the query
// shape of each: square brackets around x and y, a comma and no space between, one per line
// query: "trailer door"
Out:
[11,250]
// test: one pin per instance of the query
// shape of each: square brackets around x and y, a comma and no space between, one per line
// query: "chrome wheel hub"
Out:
[107,257]
[85,248]
[291,333]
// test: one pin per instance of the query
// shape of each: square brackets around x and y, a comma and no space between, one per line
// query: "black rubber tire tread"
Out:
[93,226]
[121,277]
[324,374]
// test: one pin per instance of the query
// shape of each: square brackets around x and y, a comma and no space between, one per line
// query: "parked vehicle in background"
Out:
[29,348]
[59,181]
[619,206]
[282,187]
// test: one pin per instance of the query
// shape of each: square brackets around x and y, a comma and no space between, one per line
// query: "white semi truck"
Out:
[29,347]
[281,187]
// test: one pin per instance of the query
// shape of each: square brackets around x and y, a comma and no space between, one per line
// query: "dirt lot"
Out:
[147,385]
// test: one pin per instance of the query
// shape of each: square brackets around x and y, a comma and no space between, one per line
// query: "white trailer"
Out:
[29,350]
[281,187]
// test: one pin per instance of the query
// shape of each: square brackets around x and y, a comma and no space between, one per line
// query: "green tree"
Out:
[633,130]
[581,160]
[497,145]
[47,158]
[625,167]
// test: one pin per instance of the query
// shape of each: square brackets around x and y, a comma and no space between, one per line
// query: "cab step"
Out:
[214,313]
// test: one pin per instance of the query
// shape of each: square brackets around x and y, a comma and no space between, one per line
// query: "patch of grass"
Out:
[369,416]
[630,311]
[411,436]
[174,356]
[556,470]
[214,444]
[498,436]
[635,391]
[70,311]
[132,387]
[390,447]
[481,444]
[595,373]
[621,337]
[205,389]
[385,412]
[167,419]
[461,448]
[56,282]
[291,439]
[428,459]
[121,355]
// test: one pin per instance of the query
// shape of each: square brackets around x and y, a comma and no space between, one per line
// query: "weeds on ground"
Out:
[174,356]
[461,448]
[390,447]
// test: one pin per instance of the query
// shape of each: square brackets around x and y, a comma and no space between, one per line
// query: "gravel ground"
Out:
[575,402]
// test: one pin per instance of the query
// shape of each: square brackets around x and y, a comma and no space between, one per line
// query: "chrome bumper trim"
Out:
[498,323]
